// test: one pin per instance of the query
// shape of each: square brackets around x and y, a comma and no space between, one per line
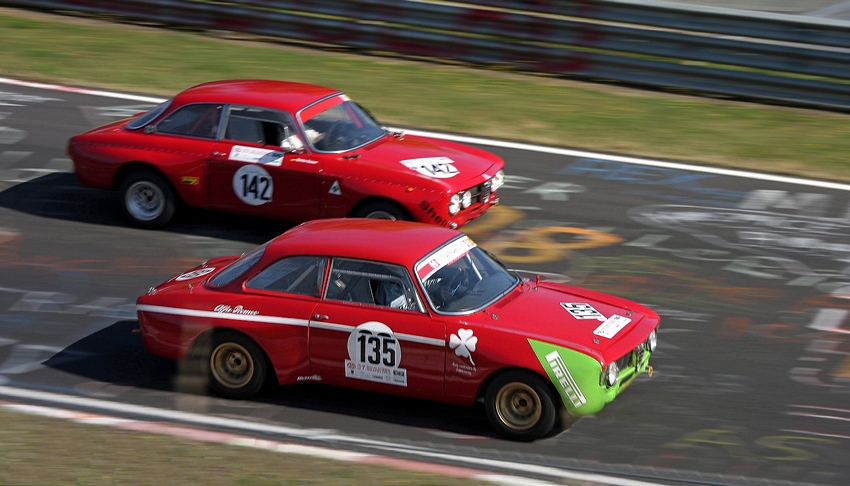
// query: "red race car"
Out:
[282,150]
[402,308]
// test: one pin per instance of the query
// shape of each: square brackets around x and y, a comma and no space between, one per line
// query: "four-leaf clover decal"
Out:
[464,343]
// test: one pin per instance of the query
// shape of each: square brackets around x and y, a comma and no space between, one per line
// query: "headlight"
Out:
[612,374]
[454,204]
[652,340]
[497,181]
[466,199]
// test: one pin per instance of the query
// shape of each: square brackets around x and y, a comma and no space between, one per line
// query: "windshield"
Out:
[460,277]
[342,127]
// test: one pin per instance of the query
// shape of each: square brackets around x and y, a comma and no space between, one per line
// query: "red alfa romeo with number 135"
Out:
[402,308]
[282,150]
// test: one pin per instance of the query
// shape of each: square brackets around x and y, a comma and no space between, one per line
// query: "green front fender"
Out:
[576,376]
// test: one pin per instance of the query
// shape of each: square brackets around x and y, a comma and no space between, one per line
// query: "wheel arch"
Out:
[130,167]
[379,200]
[482,389]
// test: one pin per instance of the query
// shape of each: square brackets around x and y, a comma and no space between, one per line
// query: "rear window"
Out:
[237,268]
[148,117]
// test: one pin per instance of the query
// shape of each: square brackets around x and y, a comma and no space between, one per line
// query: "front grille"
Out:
[481,192]
[633,358]
[626,361]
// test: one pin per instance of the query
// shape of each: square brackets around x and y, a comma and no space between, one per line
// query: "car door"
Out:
[284,294]
[370,331]
[251,173]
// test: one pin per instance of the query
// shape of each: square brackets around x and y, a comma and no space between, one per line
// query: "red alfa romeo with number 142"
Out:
[402,308]
[282,150]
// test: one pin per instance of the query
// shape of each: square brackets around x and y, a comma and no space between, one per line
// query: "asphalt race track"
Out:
[750,276]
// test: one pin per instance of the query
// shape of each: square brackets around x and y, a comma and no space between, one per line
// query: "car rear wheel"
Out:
[237,366]
[383,210]
[520,406]
[148,199]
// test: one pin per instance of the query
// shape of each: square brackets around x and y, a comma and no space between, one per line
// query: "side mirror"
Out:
[150,129]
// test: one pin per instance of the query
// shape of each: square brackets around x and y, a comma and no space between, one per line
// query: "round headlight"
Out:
[652,341]
[612,374]
[454,204]
[466,199]
[497,181]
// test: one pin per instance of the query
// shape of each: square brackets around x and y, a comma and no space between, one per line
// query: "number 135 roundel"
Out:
[282,150]
[401,308]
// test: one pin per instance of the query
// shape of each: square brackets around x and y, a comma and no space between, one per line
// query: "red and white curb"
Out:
[196,426]
[172,430]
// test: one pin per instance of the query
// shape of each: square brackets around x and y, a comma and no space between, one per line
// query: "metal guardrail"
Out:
[769,57]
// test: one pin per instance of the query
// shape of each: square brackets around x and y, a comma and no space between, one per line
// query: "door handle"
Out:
[218,154]
[320,317]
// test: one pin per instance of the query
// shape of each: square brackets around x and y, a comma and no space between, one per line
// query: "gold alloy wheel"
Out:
[232,365]
[518,406]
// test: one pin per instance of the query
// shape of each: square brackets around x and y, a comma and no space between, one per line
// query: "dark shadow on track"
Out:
[61,196]
[116,355]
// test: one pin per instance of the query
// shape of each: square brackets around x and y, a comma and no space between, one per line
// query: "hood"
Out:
[439,161]
[600,325]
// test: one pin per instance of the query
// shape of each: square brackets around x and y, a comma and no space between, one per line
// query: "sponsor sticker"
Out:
[582,311]
[436,167]
[446,255]
[374,355]
[564,379]
[554,360]
[612,326]
[194,274]
[309,378]
[255,155]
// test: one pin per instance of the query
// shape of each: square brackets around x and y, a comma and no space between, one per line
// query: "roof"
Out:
[399,242]
[283,95]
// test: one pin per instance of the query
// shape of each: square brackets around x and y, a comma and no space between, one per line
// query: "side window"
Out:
[293,275]
[260,126]
[199,120]
[372,283]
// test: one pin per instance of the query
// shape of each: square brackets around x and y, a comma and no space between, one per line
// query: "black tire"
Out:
[147,199]
[520,406]
[383,210]
[235,366]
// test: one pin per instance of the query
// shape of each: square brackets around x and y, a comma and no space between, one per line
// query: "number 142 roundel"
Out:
[281,150]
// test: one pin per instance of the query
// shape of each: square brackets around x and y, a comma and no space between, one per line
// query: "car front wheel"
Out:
[237,366]
[383,210]
[148,199]
[520,406]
